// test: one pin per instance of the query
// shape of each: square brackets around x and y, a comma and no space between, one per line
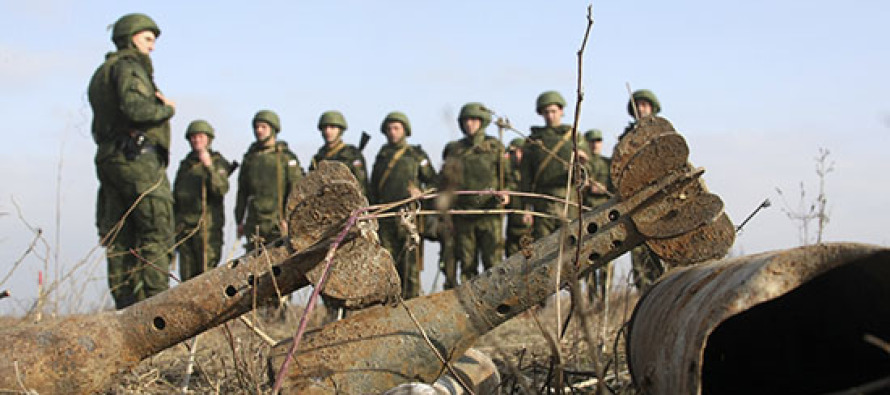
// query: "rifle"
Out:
[363,142]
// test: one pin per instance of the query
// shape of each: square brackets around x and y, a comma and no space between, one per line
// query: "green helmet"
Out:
[647,95]
[334,118]
[396,116]
[130,24]
[593,134]
[517,142]
[475,110]
[199,126]
[268,116]
[550,97]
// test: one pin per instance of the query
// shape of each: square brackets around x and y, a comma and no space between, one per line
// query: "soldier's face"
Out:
[144,41]
[262,131]
[552,114]
[199,142]
[517,154]
[596,146]
[470,126]
[644,108]
[330,133]
[395,132]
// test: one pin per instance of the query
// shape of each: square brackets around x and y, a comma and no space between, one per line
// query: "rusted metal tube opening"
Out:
[810,340]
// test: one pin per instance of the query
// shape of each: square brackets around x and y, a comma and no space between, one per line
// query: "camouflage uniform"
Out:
[476,163]
[645,265]
[398,166]
[516,229]
[544,168]
[341,152]
[132,132]
[200,189]
[264,183]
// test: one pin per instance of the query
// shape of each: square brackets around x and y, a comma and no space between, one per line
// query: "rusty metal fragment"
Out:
[382,347]
[82,354]
[790,321]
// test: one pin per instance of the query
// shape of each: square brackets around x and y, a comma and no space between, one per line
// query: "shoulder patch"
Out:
[292,163]
[357,163]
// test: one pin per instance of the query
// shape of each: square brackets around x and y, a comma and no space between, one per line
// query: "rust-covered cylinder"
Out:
[790,321]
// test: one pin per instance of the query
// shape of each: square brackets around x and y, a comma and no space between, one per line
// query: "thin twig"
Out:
[266,338]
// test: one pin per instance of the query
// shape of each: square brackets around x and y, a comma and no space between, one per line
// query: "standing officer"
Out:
[269,171]
[646,266]
[200,185]
[132,131]
[332,124]
[476,163]
[545,165]
[400,171]
[516,227]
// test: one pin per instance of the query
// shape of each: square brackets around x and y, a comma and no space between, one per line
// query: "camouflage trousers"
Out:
[199,250]
[478,238]
[395,239]
[138,252]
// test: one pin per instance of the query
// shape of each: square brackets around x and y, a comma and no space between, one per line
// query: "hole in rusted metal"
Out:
[231,291]
[592,227]
[594,256]
[617,243]
[276,271]
[614,215]
[808,341]
[572,240]
[251,279]
[503,309]
[159,323]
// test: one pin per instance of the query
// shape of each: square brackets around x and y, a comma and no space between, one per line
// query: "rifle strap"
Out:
[550,156]
[390,166]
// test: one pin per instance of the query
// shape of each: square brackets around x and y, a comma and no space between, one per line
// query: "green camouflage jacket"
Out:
[122,95]
[397,167]
[198,189]
[475,164]
[264,183]
[545,170]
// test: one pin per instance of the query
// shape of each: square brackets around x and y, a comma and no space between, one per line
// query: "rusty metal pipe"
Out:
[81,354]
[381,347]
[789,321]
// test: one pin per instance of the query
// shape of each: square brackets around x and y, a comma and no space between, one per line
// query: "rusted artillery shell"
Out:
[790,321]
[81,354]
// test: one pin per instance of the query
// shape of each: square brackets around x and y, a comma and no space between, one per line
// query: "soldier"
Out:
[132,131]
[599,192]
[545,166]
[516,227]
[332,124]
[200,185]
[476,163]
[269,171]
[400,171]
[646,266]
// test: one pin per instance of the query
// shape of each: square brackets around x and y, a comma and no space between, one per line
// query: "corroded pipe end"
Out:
[790,321]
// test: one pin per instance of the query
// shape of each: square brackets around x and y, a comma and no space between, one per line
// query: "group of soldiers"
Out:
[142,220]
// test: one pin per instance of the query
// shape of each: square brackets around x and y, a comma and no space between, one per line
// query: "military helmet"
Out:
[517,142]
[199,126]
[475,110]
[396,116]
[593,134]
[131,24]
[268,116]
[334,118]
[647,95]
[550,97]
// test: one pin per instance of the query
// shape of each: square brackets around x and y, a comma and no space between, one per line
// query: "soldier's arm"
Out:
[136,91]
[219,176]
[427,174]
[359,169]
[243,193]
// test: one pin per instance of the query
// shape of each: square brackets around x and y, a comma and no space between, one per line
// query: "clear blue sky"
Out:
[756,87]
